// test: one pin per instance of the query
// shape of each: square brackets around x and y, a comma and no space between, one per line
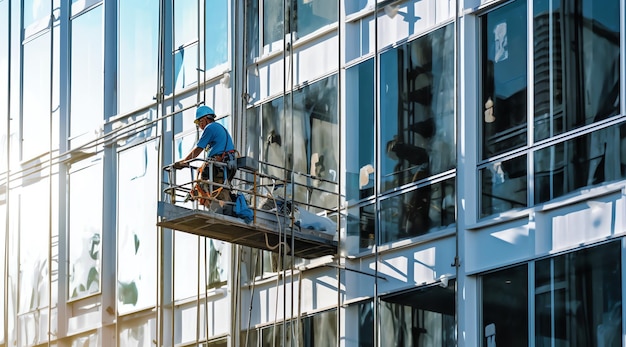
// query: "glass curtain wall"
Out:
[417,135]
[576,300]
[576,83]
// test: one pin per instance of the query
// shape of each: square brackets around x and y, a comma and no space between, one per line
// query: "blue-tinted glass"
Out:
[580,162]
[359,161]
[185,22]
[504,186]
[504,68]
[35,10]
[314,14]
[138,52]
[4,86]
[87,75]
[216,33]
[186,66]
[577,64]
[417,109]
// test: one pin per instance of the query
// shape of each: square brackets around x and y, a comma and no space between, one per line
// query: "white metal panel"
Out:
[498,245]
[316,59]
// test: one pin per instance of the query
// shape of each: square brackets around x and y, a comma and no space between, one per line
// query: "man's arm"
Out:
[184,162]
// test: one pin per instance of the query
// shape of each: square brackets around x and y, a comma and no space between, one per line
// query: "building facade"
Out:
[471,154]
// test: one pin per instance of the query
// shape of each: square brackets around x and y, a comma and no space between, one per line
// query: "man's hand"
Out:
[180,164]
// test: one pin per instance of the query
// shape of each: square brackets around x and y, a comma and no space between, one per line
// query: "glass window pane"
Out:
[36,97]
[314,14]
[579,298]
[505,308]
[273,17]
[577,73]
[504,186]
[252,30]
[185,23]
[417,212]
[137,259]
[504,72]
[85,229]
[423,317]
[584,161]
[361,228]
[359,161]
[186,66]
[35,11]
[138,53]
[34,244]
[141,333]
[304,139]
[87,75]
[417,109]
[217,26]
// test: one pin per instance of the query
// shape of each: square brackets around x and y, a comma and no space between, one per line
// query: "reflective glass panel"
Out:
[138,334]
[304,139]
[35,10]
[504,186]
[216,33]
[85,229]
[417,212]
[87,75]
[577,63]
[581,162]
[505,308]
[185,23]
[423,317]
[36,97]
[359,161]
[138,53]
[504,79]
[33,248]
[91,340]
[314,14]
[417,109]
[252,30]
[361,228]
[578,298]
[136,242]
[185,66]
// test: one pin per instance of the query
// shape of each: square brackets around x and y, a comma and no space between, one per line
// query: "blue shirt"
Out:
[217,138]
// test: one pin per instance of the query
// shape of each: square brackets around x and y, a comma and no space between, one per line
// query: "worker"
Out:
[218,144]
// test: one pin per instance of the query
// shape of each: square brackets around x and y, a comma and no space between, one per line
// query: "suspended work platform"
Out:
[263,215]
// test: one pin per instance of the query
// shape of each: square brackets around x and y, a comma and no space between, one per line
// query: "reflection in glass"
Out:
[185,66]
[504,186]
[4,89]
[136,248]
[87,77]
[91,340]
[138,335]
[423,317]
[185,23]
[417,212]
[303,139]
[216,47]
[138,45]
[505,308]
[366,324]
[579,298]
[36,101]
[85,230]
[581,162]
[417,109]
[359,161]
[361,221]
[317,330]
[34,11]
[252,30]
[576,58]
[504,73]
[306,17]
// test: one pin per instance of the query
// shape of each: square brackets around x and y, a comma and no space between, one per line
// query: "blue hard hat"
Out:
[203,110]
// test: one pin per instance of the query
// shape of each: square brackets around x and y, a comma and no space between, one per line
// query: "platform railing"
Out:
[262,192]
